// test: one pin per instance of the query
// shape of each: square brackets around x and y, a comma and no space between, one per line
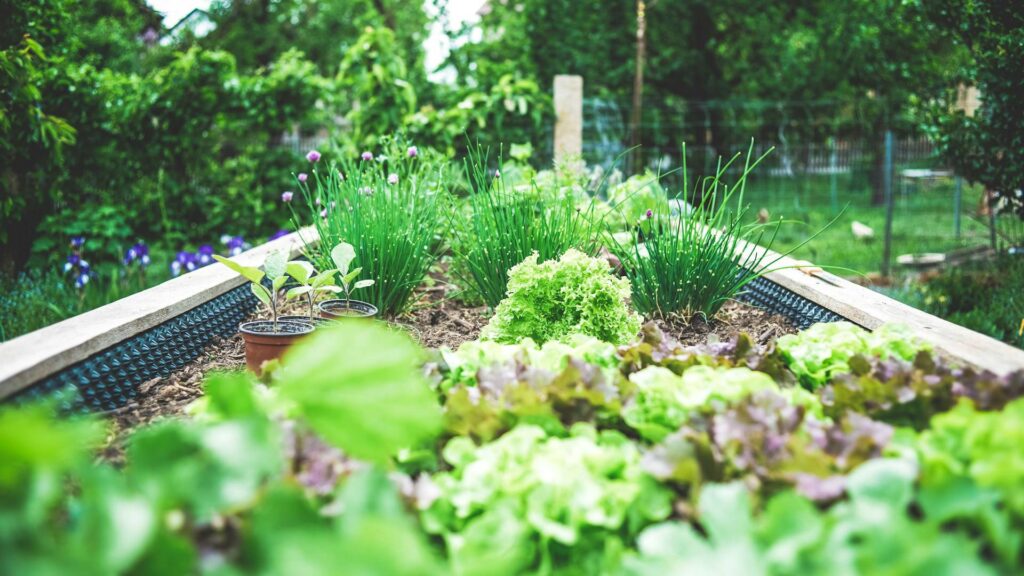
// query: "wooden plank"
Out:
[871,309]
[32,357]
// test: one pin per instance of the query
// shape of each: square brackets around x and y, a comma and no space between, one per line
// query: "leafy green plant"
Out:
[310,282]
[391,207]
[694,263]
[548,521]
[502,226]
[551,300]
[274,270]
[343,254]
[825,350]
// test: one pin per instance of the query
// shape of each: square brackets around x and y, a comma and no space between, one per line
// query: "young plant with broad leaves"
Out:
[274,270]
[310,282]
[343,255]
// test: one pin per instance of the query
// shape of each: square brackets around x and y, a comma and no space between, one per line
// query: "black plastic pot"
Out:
[317,321]
[263,342]
[339,308]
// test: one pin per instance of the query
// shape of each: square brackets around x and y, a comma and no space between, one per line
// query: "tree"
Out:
[987,147]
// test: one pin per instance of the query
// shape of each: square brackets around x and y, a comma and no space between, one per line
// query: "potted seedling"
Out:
[267,339]
[310,285]
[343,254]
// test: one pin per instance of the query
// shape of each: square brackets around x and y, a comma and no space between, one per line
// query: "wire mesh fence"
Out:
[828,166]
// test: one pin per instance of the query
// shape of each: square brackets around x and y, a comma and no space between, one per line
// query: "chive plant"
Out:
[500,225]
[691,264]
[390,208]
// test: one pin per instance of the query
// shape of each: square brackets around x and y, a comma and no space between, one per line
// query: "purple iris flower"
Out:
[313,156]
[367,156]
[137,253]
[73,260]
[82,280]
[205,255]
[236,245]
[77,241]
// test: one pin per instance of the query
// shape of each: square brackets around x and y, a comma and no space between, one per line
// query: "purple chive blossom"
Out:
[340,175]
[650,214]
[367,156]
[317,202]
[286,196]
[276,235]
[323,213]
[392,179]
[366,191]
[313,156]
[413,152]
[497,174]
[303,176]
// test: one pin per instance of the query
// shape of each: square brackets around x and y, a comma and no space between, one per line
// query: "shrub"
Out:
[551,300]
[502,226]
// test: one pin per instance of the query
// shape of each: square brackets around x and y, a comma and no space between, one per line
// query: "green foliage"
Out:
[663,401]
[393,227]
[502,225]
[631,200]
[376,76]
[552,300]
[869,534]
[986,146]
[694,263]
[274,270]
[823,351]
[357,385]
[562,503]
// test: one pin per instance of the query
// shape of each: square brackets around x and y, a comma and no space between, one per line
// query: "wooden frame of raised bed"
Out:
[108,352]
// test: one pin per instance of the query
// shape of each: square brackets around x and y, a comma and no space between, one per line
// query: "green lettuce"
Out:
[565,500]
[824,350]
[664,401]
[553,300]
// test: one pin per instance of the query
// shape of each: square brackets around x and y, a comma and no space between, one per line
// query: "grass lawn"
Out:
[923,218]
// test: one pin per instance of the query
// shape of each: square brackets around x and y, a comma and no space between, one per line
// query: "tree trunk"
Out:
[636,114]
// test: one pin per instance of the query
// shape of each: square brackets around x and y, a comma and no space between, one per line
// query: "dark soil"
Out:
[734,318]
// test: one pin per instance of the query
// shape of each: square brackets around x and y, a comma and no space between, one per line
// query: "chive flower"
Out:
[413,152]
[650,214]
[323,213]
[286,196]
[313,156]
[392,178]
[367,156]
[303,176]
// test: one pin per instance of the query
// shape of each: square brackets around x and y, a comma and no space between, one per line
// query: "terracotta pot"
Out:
[262,343]
[339,308]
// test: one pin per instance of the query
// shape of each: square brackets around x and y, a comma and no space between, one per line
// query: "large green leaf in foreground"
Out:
[360,387]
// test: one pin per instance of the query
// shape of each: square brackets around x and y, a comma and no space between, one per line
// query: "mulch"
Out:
[436,320]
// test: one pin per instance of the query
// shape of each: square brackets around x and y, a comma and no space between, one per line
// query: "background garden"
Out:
[133,148]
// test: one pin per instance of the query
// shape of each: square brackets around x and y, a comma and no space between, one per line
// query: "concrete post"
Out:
[568,117]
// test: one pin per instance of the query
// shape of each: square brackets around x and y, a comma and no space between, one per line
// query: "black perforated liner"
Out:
[109,379]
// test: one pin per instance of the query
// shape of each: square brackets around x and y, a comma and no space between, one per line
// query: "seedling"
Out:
[273,269]
[310,283]
[343,254]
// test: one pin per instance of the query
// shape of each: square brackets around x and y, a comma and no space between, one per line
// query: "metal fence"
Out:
[828,167]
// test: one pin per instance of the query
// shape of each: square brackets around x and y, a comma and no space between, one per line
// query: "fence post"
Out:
[568,116]
[958,192]
[887,190]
